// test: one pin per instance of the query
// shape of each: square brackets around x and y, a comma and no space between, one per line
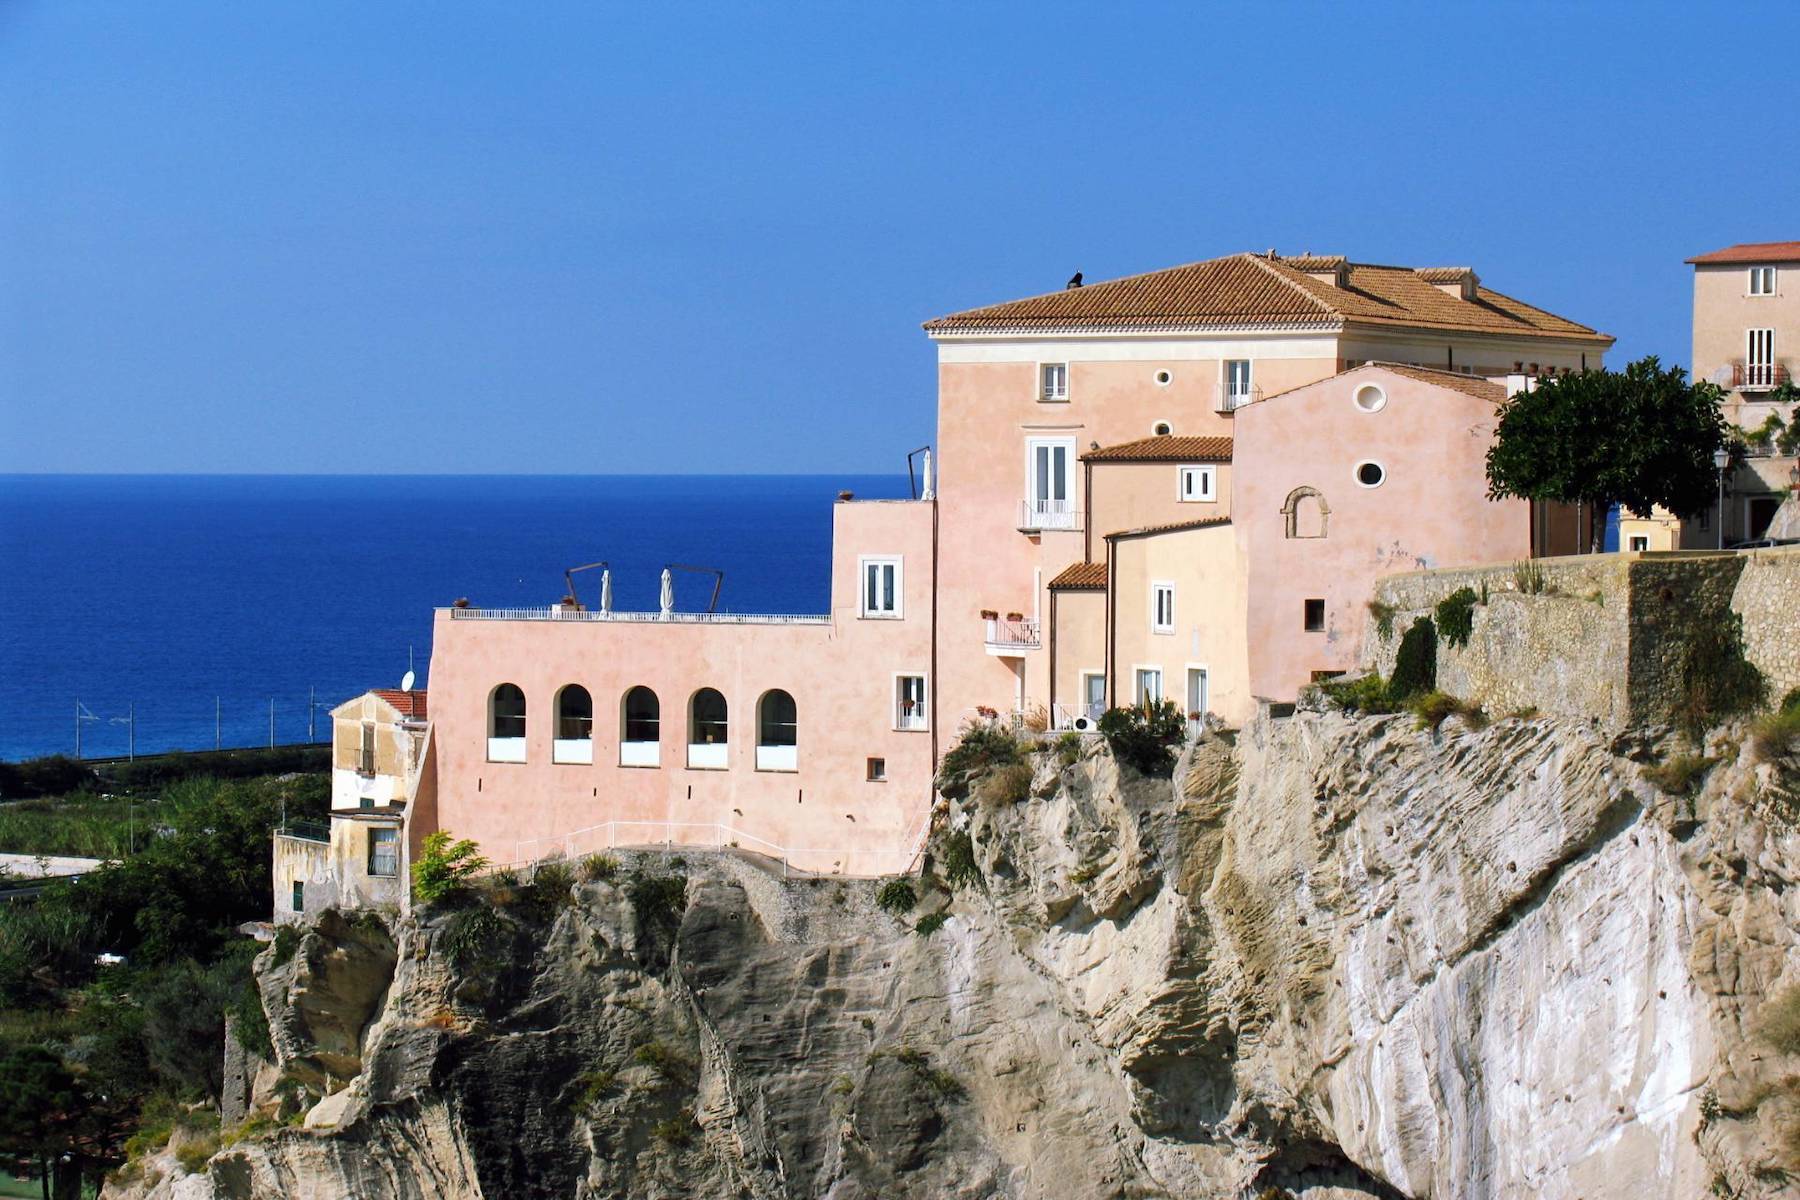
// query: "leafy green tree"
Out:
[1640,437]
[444,867]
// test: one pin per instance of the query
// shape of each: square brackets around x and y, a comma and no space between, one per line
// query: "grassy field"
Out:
[84,824]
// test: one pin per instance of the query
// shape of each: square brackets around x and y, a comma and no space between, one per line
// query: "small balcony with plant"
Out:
[1010,636]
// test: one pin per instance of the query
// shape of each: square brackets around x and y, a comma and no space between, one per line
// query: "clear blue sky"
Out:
[386,237]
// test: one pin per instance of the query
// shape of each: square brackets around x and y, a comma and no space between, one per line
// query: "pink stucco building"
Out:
[1177,484]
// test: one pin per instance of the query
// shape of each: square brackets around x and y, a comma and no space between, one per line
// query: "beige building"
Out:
[380,745]
[1746,340]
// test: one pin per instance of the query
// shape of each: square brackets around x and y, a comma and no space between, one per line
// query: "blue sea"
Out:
[163,596]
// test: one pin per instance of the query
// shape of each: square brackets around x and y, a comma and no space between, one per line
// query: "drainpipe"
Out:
[1112,578]
[1051,637]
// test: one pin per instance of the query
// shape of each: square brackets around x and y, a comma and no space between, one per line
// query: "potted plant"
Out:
[988,614]
[1013,616]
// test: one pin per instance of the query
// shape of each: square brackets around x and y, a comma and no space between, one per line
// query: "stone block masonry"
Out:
[1598,637]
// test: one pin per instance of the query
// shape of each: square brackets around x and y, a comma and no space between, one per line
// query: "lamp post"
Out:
[1721,460]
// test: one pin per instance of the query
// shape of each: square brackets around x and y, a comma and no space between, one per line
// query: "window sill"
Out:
[1158,631]
[1053,399]
[879,616]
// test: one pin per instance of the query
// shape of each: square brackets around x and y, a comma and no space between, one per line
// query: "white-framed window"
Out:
[384,853]
[1149,689]
[1049,483]
[1053,381]
[1762,281]
[877,770]
[1197,484]
[909,702]
[882,578]
[1640,542]
[1199,695]
[1162,607]
[1161,429]
[1759,358]
[1370,398]
[1238,383]
[1370,474]
[1093,694]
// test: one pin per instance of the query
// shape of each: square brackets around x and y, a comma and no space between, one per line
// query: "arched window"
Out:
[777,730]
[1307,513]
[640,729]
[574,726]
[707,731]
[506,724]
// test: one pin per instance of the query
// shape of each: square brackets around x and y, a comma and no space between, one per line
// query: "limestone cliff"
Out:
[1333,957]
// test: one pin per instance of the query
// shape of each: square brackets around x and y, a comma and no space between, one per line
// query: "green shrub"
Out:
[1776,735]
[1006,785]
[1678,775]
[678,1130]
[1717,680]
[444,868]
[475,940]
[1144,736]
[287,941]
[983,746]
[1434,708]
[1068,748]
[940,1081]
[930,924]
[552,886]
[666,1061]
[1384,618]
[1363,694]
[591,1087]
[1456,616]
[960,867]
[1529,578]
[598,867]
[53,776]
[658,902]
[896,897]
[1779,1024]
[1415,663]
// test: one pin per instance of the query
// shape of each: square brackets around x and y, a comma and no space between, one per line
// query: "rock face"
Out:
[1333,957]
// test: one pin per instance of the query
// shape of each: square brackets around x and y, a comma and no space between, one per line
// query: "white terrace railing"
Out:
[869,861]
[1004,636]
[559,613]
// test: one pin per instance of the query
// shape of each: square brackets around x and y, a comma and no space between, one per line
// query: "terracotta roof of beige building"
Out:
[1264,290]
[1165,448]
[1081,577]
[1171,527]
[1751,252]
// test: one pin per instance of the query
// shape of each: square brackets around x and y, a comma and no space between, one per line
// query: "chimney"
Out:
[1460,282]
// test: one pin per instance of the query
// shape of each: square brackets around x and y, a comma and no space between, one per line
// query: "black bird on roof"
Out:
[1074,281]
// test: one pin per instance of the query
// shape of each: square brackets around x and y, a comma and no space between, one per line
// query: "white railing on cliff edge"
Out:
[558,613]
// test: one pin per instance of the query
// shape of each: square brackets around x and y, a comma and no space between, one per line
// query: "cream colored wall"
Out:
[1431,511]
[1204,566]
[988,406]
[1724,313]
[395,750]
[1133,495]
[840,673]
[1080,644]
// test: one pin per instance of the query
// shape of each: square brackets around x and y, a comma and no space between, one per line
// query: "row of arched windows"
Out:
[640,727]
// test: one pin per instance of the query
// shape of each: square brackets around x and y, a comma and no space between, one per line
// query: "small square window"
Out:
[1315,616]
[878,770]
[1640,543]
[1762,281]
[297,901]
[1197,485]
[1053,381]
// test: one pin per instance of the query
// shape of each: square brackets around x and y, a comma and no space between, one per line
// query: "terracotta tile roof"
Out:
[1258,290]
[1751,252]
[1165,449]
[1172,527]
[411,704]
[1469,385]
[1081,577]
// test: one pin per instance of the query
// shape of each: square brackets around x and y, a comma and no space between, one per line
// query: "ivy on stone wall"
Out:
[1456,616]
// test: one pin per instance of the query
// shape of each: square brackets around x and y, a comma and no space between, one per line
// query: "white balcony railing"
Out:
[1233,396]
[506,749]
[1007,637]
[910,717]
[640,754]
[558,613]
[1049,514]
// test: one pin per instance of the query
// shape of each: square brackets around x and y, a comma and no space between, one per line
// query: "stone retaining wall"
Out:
[1605,637]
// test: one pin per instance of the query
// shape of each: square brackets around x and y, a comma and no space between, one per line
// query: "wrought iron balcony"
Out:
[1759,377]
[1035,515]
[1232,397]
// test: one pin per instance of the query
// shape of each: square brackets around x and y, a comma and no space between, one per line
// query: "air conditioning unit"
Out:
[1084,724]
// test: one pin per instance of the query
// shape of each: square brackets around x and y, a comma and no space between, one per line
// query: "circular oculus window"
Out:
[1162,429]
[1370,474]
[1370,398]
[1163,378]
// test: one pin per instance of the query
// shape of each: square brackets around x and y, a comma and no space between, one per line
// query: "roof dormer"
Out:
[1330,269]
[1460,282]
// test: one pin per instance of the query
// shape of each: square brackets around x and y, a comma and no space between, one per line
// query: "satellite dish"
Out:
[406,682]
[1722,376]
